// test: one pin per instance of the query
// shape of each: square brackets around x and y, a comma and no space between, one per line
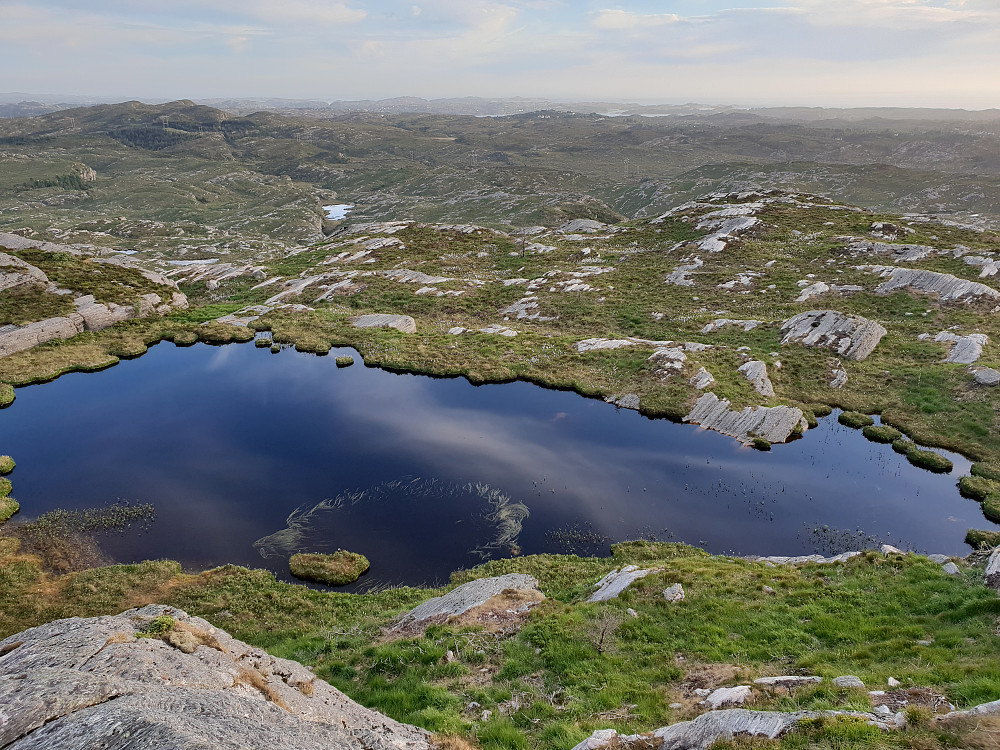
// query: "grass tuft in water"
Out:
[338,569]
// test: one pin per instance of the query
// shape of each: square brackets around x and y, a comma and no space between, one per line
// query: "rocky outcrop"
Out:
[964,349]
[756,372]
[617,581]
[773,423]
[820,287]
[711,727]
[681,276]
[804,559]
[727,696]
[403,323]
[719,323]
[582,226]
[466,597]
[158,678]
[852,336]
[987,376]
[905,253]
[19,338]
[15,272]
[593,345]
[948,288]
[727,224]
[702,379]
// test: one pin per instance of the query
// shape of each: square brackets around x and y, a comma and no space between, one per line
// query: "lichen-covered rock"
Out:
[772,423]
[853,337]
[403,323]
[97,682]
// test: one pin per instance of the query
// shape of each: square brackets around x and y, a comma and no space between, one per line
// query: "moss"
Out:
[991,508]
[8,507]
[855,420]
[982,539]
[986,470]
[978,488]
[338,569]
[902,445]
[6,394]
[821,410]
[263,343]
[222,333]
[185,338]
[6,464]
[929,460]
[880,433]
[275,348]
[761,444]
[158,627]
[345,361]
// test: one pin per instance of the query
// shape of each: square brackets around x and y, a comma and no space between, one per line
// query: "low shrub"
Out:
[338,569]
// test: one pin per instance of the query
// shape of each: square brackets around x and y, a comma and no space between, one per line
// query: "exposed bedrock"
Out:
[773,423]
[948,288]
[850,336]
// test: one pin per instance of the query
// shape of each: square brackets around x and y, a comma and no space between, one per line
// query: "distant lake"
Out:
[338,211]
[426,475]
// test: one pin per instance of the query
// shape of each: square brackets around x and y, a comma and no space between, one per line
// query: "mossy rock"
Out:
[223,333]
[929,460]
[821,410]
[855,420]
[6,394]
[881,433]
[345,361]
[982,539]
[8,507]
[6,465]
[991,508]
[338,569]
[262,343]
[761,444]
[185,338]
[978,488]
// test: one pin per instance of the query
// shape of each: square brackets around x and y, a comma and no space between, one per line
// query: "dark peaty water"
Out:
[428,475]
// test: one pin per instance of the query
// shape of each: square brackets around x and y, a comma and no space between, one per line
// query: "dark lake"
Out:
[427,475]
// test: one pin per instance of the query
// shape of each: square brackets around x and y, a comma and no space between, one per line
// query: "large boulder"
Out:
[851,336]
[516,592]
[158,678]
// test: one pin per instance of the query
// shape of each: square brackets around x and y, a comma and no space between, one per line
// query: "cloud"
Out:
[622,20]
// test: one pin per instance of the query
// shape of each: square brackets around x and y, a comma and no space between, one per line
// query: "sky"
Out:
[932,53]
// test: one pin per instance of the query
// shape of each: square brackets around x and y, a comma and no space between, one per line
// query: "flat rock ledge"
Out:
[964,350]
[709,728]
[852,336]
[756,372]
[773,423]
[804,559]
[403,323]
[95,682]
[466,597]
[948,288]
[615,582]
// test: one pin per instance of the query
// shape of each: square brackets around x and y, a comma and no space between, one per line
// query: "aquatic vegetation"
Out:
[6,395]
[855,420]
[338,569]
[925,459]
[263,343]
[881,433]
[8,507]
[6,464]
[982,539]
[500,518]
[978,487]
[345,361]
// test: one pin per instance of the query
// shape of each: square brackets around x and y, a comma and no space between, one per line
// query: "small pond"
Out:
[249,456]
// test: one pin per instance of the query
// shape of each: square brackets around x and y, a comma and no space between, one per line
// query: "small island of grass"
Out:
[881,433]
[338,569]
[855,420]
[6,465]
[345,361]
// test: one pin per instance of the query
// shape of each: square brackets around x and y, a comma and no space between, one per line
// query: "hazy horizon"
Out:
[852,53]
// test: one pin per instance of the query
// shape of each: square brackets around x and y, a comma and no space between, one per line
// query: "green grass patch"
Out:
[855,420]
[345,361]
[881,433]
[977,487]
[6,395]
[982,539]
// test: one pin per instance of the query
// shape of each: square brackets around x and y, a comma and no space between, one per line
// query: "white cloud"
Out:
[624,20]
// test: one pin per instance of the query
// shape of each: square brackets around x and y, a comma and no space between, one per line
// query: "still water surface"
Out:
[427,475]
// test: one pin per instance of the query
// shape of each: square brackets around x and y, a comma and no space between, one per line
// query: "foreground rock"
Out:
[95,682]
[485,599]
[403,323]
[853,337]
[772,423]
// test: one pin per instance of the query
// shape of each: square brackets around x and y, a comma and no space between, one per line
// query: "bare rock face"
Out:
[617,581]
[992,575]
[96,682]
[15,272]
[18,338]
[464,598]
[773,423]
[948,288]
[756,372]
[853,337]
[964,349]
[403,323]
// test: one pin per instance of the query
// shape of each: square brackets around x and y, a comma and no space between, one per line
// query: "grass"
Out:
[923,458]
[338,569]
[881,433]
[549,685]
[6,395]
[8,507]
[6,465]
[977,487]
[345,361]
[980,539]
[855,420]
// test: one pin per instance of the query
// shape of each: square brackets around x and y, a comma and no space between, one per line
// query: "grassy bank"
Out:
[556,680]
